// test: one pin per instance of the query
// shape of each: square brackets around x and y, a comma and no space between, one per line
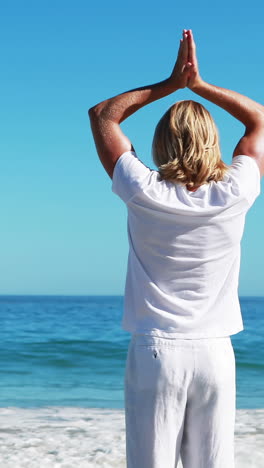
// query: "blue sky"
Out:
[62,230]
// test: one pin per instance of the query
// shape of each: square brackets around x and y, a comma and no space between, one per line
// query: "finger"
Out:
[180,49]
[191,40]
[188,67]
[184,51]
[191,48]
[184,34]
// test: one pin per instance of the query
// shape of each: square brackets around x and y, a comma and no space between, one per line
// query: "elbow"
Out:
[255,121]
[93,112]
[90,111]
[260,116]
[96,111]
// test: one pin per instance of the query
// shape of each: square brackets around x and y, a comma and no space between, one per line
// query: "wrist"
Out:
[172,84]
[197,85]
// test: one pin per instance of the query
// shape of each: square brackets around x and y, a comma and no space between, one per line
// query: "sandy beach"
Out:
[68,437]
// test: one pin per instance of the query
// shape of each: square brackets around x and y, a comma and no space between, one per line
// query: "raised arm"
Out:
[247,111]
[106,116]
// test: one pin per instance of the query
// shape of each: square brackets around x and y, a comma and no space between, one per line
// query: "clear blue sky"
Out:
[62,229]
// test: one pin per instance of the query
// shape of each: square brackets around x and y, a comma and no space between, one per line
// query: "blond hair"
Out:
[186,146]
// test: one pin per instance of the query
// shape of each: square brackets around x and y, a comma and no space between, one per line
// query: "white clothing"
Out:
[184,249]
[180,401]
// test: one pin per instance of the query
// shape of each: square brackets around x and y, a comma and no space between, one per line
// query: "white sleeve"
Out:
[245,172]
[130,176]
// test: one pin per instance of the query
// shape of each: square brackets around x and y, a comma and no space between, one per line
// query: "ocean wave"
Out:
[82,437]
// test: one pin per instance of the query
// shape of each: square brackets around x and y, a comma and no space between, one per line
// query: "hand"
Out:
[180,73]
[194,76]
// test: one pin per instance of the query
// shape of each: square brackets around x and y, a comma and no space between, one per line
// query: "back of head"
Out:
[186,146]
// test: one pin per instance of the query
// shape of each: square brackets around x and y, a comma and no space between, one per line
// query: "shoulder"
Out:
[131,175]
[245,168]
[245,160]
[245,173]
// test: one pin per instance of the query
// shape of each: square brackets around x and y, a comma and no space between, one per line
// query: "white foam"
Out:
[88,437]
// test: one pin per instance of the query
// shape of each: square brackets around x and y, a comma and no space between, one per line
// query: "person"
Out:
[185,224]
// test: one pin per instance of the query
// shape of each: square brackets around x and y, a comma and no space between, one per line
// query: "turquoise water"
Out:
[71,351]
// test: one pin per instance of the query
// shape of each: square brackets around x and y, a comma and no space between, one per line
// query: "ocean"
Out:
[62,365]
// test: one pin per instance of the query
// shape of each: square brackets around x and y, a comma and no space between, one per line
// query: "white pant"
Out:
[180,400]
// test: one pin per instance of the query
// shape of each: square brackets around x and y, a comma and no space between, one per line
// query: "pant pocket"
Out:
[144,367]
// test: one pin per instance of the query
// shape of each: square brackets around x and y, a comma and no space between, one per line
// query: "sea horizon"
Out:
[93,295]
